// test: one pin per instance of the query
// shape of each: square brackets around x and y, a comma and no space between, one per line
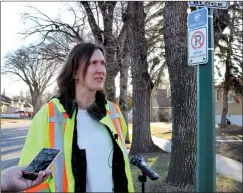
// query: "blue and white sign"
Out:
[198,19]
[197,38]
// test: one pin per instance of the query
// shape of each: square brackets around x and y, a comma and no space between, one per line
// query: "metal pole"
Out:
[206,172]
[143,187]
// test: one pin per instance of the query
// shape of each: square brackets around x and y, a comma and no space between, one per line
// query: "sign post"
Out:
[199,38]
[206,154]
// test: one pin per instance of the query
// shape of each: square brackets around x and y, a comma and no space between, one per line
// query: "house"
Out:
[18,104]
[9,106]
[160,105]
[28,108]
[6,105]
[234,106]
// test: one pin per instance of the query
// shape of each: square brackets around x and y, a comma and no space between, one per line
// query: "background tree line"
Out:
[141,40]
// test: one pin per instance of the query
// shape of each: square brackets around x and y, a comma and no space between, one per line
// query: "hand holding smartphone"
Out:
[41,162]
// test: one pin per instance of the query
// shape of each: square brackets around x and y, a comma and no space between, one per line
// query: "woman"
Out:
[88,129]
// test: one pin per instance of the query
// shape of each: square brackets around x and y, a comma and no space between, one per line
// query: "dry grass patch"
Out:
[159,162]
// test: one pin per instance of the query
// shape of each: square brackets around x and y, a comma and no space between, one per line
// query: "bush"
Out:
[163,117]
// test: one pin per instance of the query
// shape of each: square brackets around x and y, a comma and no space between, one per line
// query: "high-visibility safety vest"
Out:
[51,128]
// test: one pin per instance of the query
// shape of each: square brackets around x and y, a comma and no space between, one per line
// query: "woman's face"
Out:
[94,79]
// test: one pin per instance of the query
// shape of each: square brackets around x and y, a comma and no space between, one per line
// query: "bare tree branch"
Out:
[35,71]
[93,25]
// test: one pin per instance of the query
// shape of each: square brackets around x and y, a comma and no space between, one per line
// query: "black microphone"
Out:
[116,136]
[140,163]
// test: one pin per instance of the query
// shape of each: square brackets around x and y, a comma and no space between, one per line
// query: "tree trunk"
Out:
[125,63]
[107,40]
[221,21]
[110,86]
[225,107]
[141,81]
[183,96]
[225,92]
[36,101]
[227,78]
[110,48]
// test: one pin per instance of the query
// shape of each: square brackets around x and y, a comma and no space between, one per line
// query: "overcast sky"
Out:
[11,25]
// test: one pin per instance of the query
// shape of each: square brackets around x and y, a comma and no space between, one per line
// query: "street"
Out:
[12,141]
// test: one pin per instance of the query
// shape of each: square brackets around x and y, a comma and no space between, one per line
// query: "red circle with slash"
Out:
[195,40]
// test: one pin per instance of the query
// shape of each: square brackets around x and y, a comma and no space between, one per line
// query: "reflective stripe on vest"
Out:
[57,126]
[116,120]
[40,188]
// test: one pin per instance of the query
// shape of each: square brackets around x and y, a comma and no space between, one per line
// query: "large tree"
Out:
[32,69]
[182,169]
[84,26]
[141,80]
[100,22]
[183,95]
[230,55]
[59,35]
[107,38]
[123,99]
[154,36]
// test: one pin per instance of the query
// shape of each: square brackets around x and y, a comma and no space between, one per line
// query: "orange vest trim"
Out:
[53,113]
[65,181]
[44,187]
[119,118]
[116,121]
[53,129]
[114,124]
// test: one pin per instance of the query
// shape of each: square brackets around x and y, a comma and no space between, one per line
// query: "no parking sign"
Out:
[197,44]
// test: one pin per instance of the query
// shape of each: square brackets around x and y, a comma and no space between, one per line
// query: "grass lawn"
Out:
[231,133]
[13,120]
[233,150]
[160,163]
[7,121]
[161,130]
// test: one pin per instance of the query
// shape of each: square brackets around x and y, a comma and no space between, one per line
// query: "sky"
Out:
[11,25]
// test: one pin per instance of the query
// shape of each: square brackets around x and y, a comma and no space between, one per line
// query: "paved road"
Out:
[12,141]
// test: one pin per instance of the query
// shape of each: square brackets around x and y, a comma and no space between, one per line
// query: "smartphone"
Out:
[41,162]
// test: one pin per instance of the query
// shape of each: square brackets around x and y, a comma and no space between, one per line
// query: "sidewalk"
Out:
[224,166]
[228,140]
